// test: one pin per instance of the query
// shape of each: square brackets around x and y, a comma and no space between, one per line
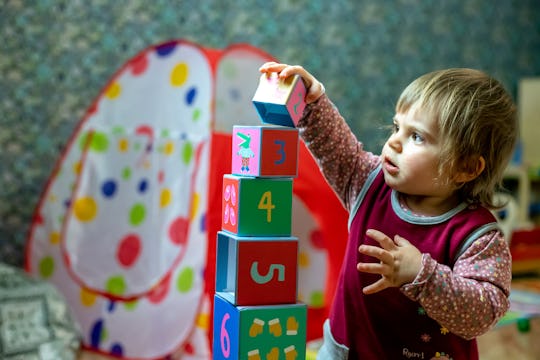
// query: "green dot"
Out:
[137,214]
[104,335]
[184,283]
[100,142]
[187,153]
[131,305]
[317,299]
[229,69]
[126,173]
[46,267]
[118,130]
[116,285]
[196,115]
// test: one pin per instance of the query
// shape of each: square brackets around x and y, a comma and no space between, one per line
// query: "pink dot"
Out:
[161,176]
[317,239]
[189,348]
[139,65]
[178,231]
[145,130]
[158,293]
[128,250]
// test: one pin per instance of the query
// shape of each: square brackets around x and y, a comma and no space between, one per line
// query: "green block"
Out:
[257,206]
[259,332]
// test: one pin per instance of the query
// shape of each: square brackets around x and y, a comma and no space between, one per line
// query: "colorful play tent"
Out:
[126,225]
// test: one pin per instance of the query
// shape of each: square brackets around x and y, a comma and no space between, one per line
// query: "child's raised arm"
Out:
[314,87]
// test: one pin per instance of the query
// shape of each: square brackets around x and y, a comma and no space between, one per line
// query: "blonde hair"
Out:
[476,117]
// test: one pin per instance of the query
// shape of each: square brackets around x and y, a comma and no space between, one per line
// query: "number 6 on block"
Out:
[256,206]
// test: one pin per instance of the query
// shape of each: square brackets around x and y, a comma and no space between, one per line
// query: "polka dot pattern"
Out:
[124,218]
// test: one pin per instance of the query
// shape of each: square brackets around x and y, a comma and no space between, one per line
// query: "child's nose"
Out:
[394,141]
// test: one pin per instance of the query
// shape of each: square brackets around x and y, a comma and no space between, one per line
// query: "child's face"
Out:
[410,157]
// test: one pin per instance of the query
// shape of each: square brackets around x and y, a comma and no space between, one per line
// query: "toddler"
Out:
[426,269]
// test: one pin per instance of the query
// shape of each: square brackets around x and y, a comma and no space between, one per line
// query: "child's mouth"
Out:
[390,167]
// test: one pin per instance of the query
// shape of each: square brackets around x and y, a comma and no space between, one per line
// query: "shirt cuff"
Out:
[414,289]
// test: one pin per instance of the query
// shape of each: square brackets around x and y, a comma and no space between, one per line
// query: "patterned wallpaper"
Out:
[55,57]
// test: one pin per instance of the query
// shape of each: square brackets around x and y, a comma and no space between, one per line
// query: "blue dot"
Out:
[203,223]
[117,349]
[95,333]
[235,94]
[111,306]
[166,49]
[143,185]
[108,188]
[190,96]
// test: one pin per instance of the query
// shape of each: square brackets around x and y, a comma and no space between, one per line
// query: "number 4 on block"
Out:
[256,206]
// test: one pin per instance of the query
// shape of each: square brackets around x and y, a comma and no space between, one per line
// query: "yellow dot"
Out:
[303,259]
[54,237]
[202,321]
[195,205]
[179,74]
[87,298]
[113,91]
[165,197]
[77,168]
[169,148]
[123,145]
[85,209]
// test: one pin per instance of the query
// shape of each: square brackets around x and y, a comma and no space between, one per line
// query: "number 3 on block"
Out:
[265,203]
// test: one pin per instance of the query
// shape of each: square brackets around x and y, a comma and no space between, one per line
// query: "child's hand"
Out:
[400,261]
[314,88]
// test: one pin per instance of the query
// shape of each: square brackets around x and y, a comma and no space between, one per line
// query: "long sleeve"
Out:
[341,157]
[470,298]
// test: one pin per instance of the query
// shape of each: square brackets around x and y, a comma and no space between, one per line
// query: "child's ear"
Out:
[471,170]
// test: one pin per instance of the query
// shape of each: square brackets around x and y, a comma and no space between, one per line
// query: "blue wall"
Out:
[55,56]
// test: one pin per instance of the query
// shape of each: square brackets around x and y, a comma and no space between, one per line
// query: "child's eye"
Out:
[417,138]
[395,128]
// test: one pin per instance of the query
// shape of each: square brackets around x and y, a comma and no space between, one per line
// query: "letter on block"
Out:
[259,332]
[256,206]
[280,101]
[265,151]
[256,270]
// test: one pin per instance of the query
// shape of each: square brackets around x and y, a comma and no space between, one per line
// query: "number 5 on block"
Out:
[256,206]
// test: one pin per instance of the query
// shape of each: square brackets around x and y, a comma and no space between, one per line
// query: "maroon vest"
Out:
[388,325]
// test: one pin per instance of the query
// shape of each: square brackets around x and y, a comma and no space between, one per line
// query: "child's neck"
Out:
[429,205]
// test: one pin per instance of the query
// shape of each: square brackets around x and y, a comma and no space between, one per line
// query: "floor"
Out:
[507,342]
[501,343]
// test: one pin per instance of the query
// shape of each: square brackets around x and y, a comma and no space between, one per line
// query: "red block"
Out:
[256,270]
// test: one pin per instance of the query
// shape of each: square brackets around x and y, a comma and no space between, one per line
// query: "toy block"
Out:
[256,206]
[259,332]
[265,151]
[280,101]
[256,270]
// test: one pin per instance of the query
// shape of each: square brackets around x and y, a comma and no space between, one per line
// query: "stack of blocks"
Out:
[256,312]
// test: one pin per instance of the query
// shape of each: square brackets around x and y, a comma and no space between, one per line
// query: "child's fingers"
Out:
[272,66]
[314,88]
[375,287]
[381,238]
